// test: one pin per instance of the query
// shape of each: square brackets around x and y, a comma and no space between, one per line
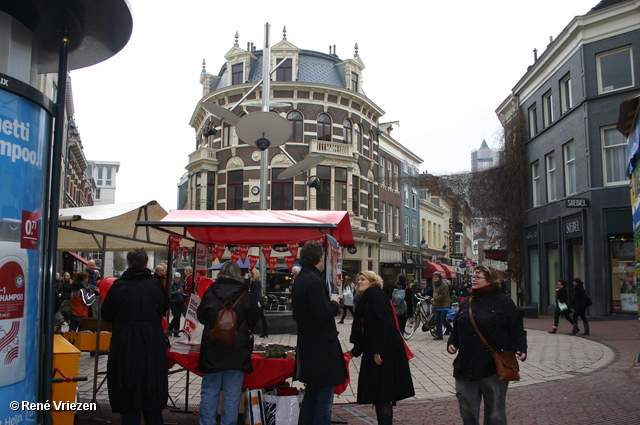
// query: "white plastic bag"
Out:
[254,412]
[282,410]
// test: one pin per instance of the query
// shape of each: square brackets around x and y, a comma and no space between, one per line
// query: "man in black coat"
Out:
[135,305]
[319,360]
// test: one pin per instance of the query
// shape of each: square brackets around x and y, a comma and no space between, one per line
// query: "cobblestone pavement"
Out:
[565,380]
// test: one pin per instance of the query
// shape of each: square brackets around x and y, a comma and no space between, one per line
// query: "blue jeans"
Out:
[229,382]
[316,405]
[441,319]
[494,393]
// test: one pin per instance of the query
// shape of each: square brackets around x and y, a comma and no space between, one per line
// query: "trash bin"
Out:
[65,360]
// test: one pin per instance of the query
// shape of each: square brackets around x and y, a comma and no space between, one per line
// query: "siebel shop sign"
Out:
[577,203]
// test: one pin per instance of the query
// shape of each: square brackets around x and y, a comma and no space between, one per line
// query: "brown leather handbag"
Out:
[506,362]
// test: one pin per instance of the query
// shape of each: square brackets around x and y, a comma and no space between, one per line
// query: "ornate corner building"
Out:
[322,97]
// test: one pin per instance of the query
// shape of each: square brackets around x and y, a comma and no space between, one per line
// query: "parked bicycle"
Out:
[422,317]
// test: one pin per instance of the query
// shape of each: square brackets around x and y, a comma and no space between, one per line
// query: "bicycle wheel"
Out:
[411,326]
[432,325]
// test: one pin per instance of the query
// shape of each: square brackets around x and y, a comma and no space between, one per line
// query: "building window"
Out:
[615,70]
[406,230]
[347,136]
[211,188]
[198,190]
[383,218]
[97,197]
[390,221]
[396,179]
[237,72]
[547,109]
[323,200]
[285,71]
[108,181]
[566,102]
[615,156]
[281,191]
[371,206]
[535,183]
[533,121]
[340,189]
[396,221]
[382,172]
[358,138]
[355,195]
[234,190]
[405,195]
[226,135]
[354,81]
[569,169]
[100,176]
[296,120]
[551,177]
[324,127]
[366,147]
[414,232]
[414,199]
[389,175]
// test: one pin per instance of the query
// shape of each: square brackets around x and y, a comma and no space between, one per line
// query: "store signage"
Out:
[572,227]
[577,203]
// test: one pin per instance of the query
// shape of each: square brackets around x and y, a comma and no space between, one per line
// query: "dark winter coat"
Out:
[562,296]
[137,365]
[319,358]
[579,298]
[374,331]
[256,292]
[408,297]
[215,357]
[501,324]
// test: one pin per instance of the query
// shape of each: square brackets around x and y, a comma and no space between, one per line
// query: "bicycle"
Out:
[421,318]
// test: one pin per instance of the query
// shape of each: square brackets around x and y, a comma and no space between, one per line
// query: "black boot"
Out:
[384,413]
[586,328]
[575,329]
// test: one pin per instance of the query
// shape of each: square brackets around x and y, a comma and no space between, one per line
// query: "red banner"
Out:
[293,249]
[174,244]
[235,256]
[243,250]
[266,251]
[253,260]
[272,263]
[290,260]
[218,251]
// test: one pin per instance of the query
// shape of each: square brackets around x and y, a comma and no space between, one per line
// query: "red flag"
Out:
[293,249]
[253,260]
[266,251]
[174,244]
[218,251]
[243,250]
[290,260]
[272,263]
[235,256]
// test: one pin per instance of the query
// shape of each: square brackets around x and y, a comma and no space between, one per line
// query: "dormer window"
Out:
[354,81]
[237,74]
[285,71]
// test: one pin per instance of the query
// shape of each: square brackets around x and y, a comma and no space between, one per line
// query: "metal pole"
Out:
[264,159]
[52,230]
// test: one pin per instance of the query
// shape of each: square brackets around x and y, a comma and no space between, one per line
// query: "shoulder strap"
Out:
[473,321]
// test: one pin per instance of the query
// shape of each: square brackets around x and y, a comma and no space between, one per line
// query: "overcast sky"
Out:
[441,69]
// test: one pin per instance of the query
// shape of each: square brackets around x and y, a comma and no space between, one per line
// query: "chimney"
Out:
[535,55]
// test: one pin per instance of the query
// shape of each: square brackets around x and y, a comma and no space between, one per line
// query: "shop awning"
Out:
[77,257]
[256,227]
[445,270]
[450,272]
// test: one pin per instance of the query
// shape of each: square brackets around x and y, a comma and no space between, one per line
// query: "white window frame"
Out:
[550,161]
[570,184]
[405,194]
[406,231]
[414,199]
[566,100]
[533,120]
[547,109]
[620,147]
[396,222]
[414,232]
[382,171]
[396,177]
[599,57]
[390,220]
[383,215]
[535,183]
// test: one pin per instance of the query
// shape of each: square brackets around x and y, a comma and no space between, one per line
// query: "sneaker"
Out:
[554,330]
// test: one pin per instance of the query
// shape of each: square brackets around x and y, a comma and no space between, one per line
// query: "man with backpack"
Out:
[441,302]
[402,301]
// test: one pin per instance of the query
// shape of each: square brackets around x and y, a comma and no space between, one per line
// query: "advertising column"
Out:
[24,129]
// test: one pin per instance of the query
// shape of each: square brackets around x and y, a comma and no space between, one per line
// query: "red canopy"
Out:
[257,227]
[445,270]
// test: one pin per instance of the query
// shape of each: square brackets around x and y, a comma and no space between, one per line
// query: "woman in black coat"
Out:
[223,366]
[562,300]
[137,365]
[579,307]
[385,376]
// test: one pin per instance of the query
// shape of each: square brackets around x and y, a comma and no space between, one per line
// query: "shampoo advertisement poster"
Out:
[24,128]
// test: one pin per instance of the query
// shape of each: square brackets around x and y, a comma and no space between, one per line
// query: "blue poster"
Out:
[24,129]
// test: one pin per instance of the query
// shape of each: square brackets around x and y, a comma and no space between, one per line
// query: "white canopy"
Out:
[110,227]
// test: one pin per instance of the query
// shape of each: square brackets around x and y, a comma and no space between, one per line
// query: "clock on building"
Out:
[255,190]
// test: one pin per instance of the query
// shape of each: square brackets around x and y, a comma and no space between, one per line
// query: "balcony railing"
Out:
[206,155]
[331,148]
